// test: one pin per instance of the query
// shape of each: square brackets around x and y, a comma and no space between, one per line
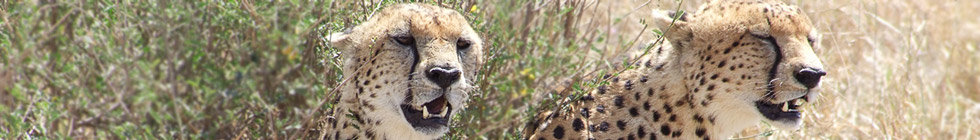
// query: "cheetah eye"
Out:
[811,41]
[406,40]
[767,38]
[462,44]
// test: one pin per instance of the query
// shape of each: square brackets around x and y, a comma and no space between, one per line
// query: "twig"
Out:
[97,117]
[251,11]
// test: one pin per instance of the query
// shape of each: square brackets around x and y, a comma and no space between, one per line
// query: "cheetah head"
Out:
[756,57]
[412,67]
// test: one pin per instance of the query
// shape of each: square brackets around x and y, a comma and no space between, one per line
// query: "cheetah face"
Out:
[793,78]
[795,71]
[439,80]
[424,58]
[756,56]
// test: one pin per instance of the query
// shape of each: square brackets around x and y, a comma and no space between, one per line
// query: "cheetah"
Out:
[409,68]
[728,66]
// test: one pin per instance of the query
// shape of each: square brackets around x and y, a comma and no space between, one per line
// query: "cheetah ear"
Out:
[337,39]
[342,41]
[674,30]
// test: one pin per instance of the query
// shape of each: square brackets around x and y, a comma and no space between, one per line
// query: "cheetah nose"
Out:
[443,76]
[810,77]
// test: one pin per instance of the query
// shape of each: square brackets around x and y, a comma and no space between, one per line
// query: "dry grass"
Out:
[259,69]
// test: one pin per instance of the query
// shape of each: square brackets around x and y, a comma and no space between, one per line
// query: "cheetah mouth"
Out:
[431,115]
[784,111]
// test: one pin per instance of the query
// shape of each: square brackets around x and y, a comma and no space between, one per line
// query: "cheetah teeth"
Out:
[795,104]
[799,102]
[426,114]
[445,111]
[785,107]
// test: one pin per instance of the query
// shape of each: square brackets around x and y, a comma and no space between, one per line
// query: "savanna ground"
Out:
[261,69]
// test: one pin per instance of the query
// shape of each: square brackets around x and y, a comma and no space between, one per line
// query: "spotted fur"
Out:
[387,61]
[724,67]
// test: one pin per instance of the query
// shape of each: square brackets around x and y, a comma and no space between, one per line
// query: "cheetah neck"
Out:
[681,101]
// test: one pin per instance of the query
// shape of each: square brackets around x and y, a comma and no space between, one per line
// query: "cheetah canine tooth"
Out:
[445,110]
[425,112]
[785,107]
